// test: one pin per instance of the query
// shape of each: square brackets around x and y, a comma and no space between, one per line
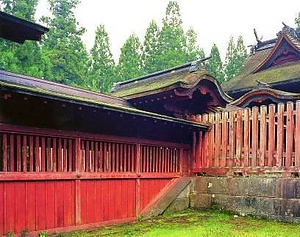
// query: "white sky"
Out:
[213,20]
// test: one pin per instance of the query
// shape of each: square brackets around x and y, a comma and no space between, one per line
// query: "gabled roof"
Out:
[19,30]
[179,91]
[272,62]
[51,90]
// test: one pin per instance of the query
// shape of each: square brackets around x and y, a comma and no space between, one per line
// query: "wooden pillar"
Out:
[138,181]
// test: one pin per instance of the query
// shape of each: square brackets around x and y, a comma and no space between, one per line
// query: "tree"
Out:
[130,61]
[150,48]
[235,58]
[297,21]
[21,58]
[63,44]
[102,69]
[215,65]
[193,52]
[172,41]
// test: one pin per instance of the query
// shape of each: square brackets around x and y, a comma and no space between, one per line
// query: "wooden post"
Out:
[271,136]
[297,136]
[254,137]
[263,136]
[289,135]
[238,138]
[280,131]
[246,138]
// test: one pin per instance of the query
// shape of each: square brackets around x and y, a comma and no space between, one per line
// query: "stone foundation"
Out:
[269,197]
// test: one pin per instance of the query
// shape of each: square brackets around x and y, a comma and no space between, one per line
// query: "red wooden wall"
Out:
[58,181]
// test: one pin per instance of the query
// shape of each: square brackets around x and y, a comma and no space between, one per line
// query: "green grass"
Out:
[192,223]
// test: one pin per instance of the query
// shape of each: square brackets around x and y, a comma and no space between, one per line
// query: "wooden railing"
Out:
[265,139]
[23,151]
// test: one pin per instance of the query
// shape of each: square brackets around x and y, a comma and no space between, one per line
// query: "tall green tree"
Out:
[130,61]
[235,58]
[193,51]
[297,21]
[150,51]
[21,58]
[63,44]
[172,41]
[215,64]
[102,69]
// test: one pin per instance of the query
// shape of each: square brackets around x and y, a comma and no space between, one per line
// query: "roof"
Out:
[271,62]
[185,76]
[19,30]
[48,89]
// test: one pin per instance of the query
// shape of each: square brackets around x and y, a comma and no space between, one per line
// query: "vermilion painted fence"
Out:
[53,179]
[264,139]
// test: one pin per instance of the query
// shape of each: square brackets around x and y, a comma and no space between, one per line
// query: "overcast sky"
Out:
[213,20]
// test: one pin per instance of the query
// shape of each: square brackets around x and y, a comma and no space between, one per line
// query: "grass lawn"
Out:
[197,223]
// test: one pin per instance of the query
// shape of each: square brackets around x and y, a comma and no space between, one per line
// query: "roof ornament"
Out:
[261,85]
[196,65]
[289,31]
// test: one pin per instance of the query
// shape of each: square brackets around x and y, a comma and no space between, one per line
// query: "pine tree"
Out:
[21,58]
[297,22]
[215,65]
[130,61]
[150,48]
[63,45]
[172,41]
[102,70]
[235,58]
[193,52]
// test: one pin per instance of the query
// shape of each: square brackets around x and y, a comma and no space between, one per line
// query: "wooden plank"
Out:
[297,136]
[231,138]
[43,155]
[31,154]
[263,136]
[113,157]
[217,144]
[224,139]
[280,134]
[71,159]
[238,139]
[65,155]
[271,136]
[87,156]
[211,151]
[11,152]
[289,135]
[37,154]
[59,155]
[49,158]
[4,152]
[246,137]
[254,148]
[24,153]
[54,154]
[19,154]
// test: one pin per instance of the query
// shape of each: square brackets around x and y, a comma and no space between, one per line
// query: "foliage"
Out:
[297,21]
[235,58]
[102,68]
[193,51]
[63,45]
[171,42]
[215,65]
[150,48]
[130,63]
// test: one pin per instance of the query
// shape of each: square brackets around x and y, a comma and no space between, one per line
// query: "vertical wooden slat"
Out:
[125,160]
[49,158]
[223,139]
[217,144]
[4,152]
[59,155]
[19,157]
[78,157]
[254,121]
[117,157]
[263,136]
[138,159]
[101,157]
[31,153]
[280,131]
[70,156]
[87,156]
[109,157]
[231,138]
[12,152]
[205,143]
[246,138]
[271,135]
[238,138]
[24,153]
[54,154]
[211,151]
[113,157]
[289,135]
[65,155]
[37,154]
[43,155]
[132,158]
[297,136]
